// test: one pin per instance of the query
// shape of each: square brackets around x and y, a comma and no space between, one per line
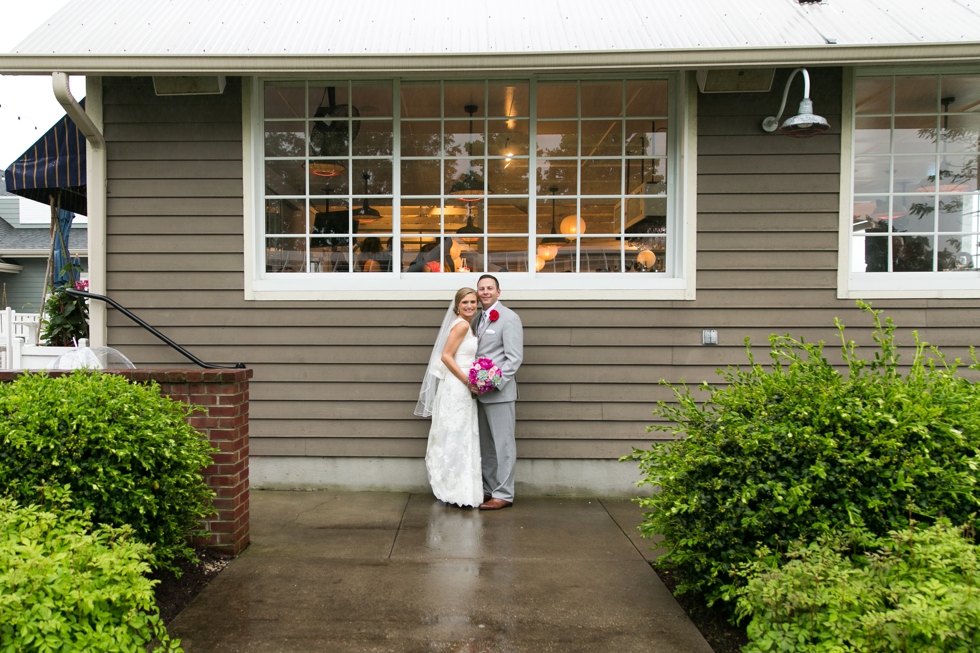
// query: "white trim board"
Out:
[682,218]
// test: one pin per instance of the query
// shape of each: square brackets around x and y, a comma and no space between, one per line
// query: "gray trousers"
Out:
[498,448]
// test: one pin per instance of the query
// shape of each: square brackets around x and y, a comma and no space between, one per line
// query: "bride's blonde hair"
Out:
[460,295]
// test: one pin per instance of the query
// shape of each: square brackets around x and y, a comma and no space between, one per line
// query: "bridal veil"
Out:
[436,371]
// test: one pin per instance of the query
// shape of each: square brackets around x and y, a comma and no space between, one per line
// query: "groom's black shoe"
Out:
[495,504]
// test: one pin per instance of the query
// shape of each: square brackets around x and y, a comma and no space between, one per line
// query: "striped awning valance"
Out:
[56,162]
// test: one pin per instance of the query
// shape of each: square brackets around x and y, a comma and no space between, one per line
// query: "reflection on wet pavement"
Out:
[398,572]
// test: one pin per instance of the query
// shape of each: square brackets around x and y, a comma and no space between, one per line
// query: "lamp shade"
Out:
[326,168]
[469,233]
[646,258]
[573,226]
[547,252]
[806,123]
[366,214]
[803,125]
[948,181]
[538,263]
[469,184]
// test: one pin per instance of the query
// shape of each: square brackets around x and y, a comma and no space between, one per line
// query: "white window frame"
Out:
[887,285]
[681,215]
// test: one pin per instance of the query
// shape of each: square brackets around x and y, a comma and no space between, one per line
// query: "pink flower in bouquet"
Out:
[485,375]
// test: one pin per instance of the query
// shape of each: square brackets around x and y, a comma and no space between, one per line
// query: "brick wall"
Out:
[224,395]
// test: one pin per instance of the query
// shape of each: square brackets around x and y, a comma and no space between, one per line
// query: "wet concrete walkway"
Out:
[370,571]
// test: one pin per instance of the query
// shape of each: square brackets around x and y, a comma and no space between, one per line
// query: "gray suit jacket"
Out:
[503,343]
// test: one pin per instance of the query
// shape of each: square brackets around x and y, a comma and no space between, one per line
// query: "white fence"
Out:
[16,326]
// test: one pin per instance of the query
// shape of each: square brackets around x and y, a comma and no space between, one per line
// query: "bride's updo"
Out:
[460,294]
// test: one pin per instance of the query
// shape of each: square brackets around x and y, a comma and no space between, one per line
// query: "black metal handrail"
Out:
[187,354]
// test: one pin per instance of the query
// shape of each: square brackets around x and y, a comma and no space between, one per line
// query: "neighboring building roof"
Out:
[36,240]
[277,35]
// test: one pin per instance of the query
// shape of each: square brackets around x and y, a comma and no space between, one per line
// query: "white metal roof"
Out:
[184,30]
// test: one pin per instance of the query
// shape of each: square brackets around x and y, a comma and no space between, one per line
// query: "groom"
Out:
[502,341]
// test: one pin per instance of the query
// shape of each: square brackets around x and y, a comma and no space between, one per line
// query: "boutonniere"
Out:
[494,316]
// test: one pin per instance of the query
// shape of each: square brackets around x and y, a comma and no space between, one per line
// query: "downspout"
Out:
[95,155]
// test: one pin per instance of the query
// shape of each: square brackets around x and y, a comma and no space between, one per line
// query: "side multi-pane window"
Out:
[329,150]
[916,203]
[444,177]
[464,176]
[601,176]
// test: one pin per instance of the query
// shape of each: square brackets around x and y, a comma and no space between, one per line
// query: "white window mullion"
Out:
[532,176]
[396,179]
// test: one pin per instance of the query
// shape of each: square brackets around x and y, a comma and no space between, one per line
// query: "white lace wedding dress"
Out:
[452,457]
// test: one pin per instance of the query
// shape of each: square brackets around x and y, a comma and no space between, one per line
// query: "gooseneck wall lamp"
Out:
[806,123]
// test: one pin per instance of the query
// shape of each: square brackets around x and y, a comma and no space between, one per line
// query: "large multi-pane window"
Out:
[916,206]
[530,177]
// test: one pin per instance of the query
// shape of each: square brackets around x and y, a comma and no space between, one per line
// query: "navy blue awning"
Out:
[55,162]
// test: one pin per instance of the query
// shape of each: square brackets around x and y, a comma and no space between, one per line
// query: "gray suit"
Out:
[502,342]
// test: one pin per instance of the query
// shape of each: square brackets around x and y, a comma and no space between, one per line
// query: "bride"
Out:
[452,457]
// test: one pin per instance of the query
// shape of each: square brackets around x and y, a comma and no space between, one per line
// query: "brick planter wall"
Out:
[224,394]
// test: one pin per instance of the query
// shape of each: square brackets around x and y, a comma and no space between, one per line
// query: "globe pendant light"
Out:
[572,226]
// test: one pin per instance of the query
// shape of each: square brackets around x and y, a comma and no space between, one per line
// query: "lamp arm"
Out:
[771,123]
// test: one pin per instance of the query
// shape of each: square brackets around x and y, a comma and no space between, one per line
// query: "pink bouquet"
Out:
[485,375]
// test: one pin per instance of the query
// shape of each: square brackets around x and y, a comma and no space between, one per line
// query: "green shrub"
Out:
[919,592]
[801,449]
[65,316]
[116,448]
[65,586]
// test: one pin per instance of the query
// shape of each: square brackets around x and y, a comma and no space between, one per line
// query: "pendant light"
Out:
[548,248]
[572,226]
[329,137]
[469,233]
[806,123]
[366,214]
[470,183]
[945,180]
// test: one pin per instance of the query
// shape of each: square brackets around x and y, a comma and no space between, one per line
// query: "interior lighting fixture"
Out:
[329,136]
[806,123]
[471,183]
[947,180]
[326,169]
[572,226]
[469,233]
[548,249]
[647,259]
[366,214]
[449,210]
